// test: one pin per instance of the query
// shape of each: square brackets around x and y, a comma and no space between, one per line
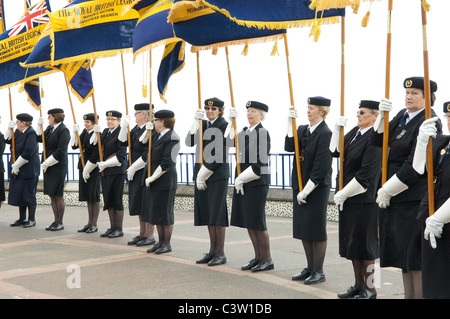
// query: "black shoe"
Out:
[217,260]
[84,229]
[57,227]
[92,229]
[154,248]
[163,249]
[18,222]
[134,240]
[116,233]
[350,293]
[29,223]
[315,278]
[52,225]
[252,263]
[303,275]
[145,242]
[263,265]
[205,259]
[367,294]
[106,233]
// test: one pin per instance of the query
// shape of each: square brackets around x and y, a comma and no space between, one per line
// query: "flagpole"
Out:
[341,130]
[12,129]
[238,165]
[387,94]
[200,127]
[75,122]
[150,117]
[294,122]
[126,109]
[43,137]
[99,141]
[430,171]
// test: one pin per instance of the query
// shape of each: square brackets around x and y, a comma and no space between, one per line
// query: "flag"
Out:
[171,63]
[98,28]
[17,42]
[2,18]
[141,6]
[33,90]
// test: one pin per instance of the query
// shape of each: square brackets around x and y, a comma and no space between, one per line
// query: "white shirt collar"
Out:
[312,128]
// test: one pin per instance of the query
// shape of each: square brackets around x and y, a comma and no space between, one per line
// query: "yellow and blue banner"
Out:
[141,6]
[2,17]
[172,62]
[98,28]
[33,90]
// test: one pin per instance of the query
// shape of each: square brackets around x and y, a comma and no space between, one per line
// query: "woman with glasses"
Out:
[211,175]
[358,211]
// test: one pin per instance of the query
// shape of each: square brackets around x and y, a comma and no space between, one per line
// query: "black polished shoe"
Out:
[263,265]
[367,294]
[106,233]
[217,260]
[252,263]
[52,225]
[116,233]
[154,248]
[92,229]
[18,222]
[350,293]
[205,259]
[145,242]
[163,249]
[29,223]
[303,275]
[57,227]
[84,229]
[315,278]
[134,240]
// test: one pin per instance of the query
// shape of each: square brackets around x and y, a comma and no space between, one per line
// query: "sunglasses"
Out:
[212,108]
[361,112]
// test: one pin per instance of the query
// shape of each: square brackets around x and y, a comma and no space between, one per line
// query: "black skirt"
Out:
[54,180]
[90,191]
[358,231]
[210,205]
[22,191]
[157,206]
[309,220]
[112,188]
[249,210]
[2,187]
[135,191]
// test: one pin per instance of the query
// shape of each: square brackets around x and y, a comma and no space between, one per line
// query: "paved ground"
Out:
[35,263]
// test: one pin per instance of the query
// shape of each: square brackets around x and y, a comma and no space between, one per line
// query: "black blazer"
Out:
[112,147]
[88,149]
[362,161]
[402,144]
[137,148]
[316,155]
[215,149]
[164,153]
[56,144]
[26,145]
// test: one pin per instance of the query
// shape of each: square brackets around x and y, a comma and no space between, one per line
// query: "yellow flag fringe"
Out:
[275,49]
[426,5]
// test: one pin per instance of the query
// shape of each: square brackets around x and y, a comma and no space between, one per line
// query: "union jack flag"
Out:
[33,17]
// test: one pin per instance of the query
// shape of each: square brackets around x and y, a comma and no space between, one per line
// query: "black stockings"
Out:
[315,254]
[115,218]
[217,240]
[261,245]
[23,212]
[93,212]
[58,207]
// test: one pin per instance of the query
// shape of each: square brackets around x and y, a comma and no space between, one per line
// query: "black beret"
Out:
[163,114]
[142,107]
[89,117]
[446,107]
[114,113]
[55,110]
[24,117]
[257,105]
[369,104]
[319,101]
[214,102]
[417,82]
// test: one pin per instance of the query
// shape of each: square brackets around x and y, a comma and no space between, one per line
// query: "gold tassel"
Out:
[245,51]
[144,90]
[214,51]
[355,6]
[42,92]
[313,4]
[365,20]
[315,30]
[426,5]
[275,49]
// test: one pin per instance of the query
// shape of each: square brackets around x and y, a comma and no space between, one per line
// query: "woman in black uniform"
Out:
[25,170]
[358,211]
[135,171]
[89,177]
[211,179]
[159,195]
[310,205]
[112,170]
[436,240]
[252,186]
[400,196]
[54,166]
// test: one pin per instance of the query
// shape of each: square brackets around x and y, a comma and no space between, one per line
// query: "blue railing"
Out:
[280,167]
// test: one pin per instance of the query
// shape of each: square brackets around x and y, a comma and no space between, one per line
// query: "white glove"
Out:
[229,131]
[246,176]
[123,134]
[74,140]
[435,223]
[20,161]
[112,162]
[88,168]
[144,136]
[137,165]
[50,161]
[199,115]
[40,122]
[391,188]
[8,133]
[93,140]
[156,174]
[291,115]
[309,187]
[335,137]
[353,188]
[427,130]
[384,106]
[202,176]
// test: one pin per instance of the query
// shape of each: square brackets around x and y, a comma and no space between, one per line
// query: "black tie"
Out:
[356,136]
[51,129]
[208,125]
[403,121]
[308,132]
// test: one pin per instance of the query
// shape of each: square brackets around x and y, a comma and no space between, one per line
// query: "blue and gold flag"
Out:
[33,90]
[171,63]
